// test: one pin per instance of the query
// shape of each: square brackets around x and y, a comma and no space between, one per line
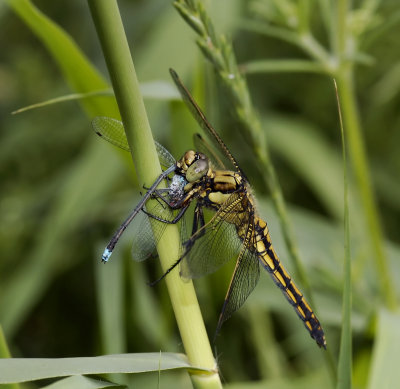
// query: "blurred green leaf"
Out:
[151,322]
[111,303]
[310,155]
[27,284]
[77,70]
[158,90]
[384,371]
[311,380]
[76,195]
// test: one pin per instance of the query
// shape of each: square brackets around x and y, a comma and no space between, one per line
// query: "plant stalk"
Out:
[110,29]
[344,374]
[361,170]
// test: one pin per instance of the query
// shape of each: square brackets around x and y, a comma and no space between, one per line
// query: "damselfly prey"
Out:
[235,229]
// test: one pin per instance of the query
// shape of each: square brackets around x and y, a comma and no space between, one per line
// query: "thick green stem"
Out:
[361,170]
[126,88]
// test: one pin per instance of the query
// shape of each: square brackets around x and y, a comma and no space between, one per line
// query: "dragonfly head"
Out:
[193,165]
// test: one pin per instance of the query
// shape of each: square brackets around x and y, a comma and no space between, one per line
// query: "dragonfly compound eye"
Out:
[197,170]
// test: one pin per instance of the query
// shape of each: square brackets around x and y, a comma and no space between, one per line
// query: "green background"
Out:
[64,191]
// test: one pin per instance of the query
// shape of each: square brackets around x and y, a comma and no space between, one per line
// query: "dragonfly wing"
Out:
[165,157]
[146,235]
[202,120]
[216,242]
[112,130]
[244,280]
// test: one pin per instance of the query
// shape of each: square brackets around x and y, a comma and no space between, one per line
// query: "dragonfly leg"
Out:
[161,194]
[174,221]
[153,283]
[198,224]
[166,179]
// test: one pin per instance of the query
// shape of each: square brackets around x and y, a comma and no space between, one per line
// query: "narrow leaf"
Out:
[30,369]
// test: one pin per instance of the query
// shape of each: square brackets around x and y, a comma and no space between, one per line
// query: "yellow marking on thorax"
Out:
[218,197]
[225,180]
[188,187]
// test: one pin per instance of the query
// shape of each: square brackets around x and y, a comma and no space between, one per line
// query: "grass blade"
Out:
[345,353]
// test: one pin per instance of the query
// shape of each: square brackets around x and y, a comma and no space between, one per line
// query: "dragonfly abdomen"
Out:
[270,261]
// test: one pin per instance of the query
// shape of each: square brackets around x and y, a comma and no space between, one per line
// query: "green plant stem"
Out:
[126,88]
[361,169]
[345,43]
[344,376]
[284,65]
[342,8]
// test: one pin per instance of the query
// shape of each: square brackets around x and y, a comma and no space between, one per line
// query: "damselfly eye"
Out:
[197,170]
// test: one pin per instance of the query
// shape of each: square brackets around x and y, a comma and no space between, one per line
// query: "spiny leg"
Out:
[173,221]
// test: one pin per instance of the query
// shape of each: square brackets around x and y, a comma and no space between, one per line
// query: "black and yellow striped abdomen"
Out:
[226,192]
[270,261]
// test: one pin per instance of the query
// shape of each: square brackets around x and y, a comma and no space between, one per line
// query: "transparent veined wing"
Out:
[244,280]
[217,242]
[112,130]
[203,121]
[146,236]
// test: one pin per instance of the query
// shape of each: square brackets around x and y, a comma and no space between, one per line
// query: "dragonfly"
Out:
[234,231]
